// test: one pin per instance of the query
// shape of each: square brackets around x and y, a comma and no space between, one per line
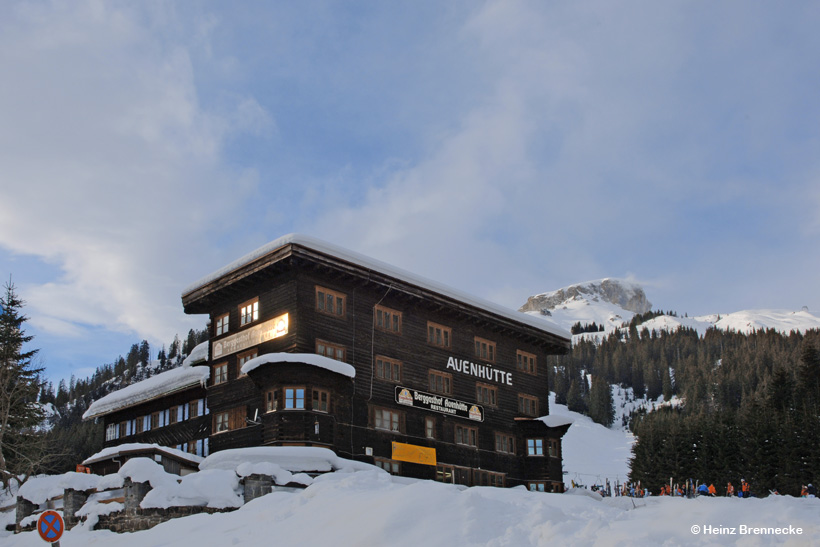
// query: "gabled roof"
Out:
[370,264]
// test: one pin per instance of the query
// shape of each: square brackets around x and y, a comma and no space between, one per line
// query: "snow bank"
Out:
[295,459]
[311,359]
[110,451]
[39,489]
[213,488]
[151,388]
[384,268]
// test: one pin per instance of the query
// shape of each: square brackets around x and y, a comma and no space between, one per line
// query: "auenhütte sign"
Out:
[430,401]
[486,372]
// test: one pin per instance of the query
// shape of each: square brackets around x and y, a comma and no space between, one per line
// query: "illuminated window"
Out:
[535,447]
[441,382]
[527,405]
[294,398]
[504,443]
[438,335]
[486,394]
[249,312]
[525,362]
[222,324]
[321,400]
[466,435]
[220,373]
[484,349]
[387,419]
[330,302]
[387,319]
[388,369]
[334,351]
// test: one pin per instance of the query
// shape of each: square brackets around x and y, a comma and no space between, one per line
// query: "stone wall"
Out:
[134,518]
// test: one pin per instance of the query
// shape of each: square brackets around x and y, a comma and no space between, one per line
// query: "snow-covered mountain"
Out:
[613,303]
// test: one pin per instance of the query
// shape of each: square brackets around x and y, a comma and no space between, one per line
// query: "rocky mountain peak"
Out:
[624,294]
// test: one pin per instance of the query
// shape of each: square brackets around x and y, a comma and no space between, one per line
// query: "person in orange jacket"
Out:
[730,490]
[712,490]
[744,488]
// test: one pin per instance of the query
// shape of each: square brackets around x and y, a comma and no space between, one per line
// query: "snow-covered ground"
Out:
[370,507]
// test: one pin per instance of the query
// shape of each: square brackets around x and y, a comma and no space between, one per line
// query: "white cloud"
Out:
[110,164]
[609,140]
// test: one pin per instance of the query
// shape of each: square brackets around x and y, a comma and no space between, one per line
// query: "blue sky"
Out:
[503,148]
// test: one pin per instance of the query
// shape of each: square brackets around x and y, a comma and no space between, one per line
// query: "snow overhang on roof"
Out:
[311,359]
[556,420]
[385,269]
[154,387]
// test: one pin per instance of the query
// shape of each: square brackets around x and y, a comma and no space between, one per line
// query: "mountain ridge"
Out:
[612,303]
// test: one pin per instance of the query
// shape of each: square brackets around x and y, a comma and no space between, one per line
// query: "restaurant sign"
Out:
[437,403]
[274,328]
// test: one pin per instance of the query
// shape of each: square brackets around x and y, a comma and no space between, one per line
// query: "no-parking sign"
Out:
[50,526]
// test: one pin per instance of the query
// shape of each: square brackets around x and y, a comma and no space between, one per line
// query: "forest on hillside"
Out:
[751,403]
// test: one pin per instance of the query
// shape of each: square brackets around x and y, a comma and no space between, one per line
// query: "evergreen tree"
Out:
[173,351]
[21,448]
[668,390]
[144,352]
[575,401]
[601,407]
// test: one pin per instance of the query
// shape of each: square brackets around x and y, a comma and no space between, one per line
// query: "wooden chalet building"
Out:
[315,345]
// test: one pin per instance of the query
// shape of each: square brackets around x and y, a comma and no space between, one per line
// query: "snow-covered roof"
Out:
[120,449]
[295,459]
[384,268]
[162,384]
[308,358]
[198,355]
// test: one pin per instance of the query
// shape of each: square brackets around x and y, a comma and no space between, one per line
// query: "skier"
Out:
[703,490]
[730,490]
[712,490]
[811,490]
[744,489]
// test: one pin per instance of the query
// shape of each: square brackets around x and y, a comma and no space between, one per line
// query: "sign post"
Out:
[50,526]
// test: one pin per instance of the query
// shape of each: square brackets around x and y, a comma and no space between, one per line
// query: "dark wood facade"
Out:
[396,332]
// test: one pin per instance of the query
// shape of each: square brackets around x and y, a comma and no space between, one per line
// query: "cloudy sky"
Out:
[504,148]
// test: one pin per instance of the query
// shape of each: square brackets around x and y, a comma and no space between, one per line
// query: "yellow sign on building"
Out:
[414,454]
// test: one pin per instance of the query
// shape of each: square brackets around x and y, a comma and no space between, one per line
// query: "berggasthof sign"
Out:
[430,401]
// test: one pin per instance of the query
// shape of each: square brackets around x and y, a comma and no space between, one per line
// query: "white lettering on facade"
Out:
[486,372]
